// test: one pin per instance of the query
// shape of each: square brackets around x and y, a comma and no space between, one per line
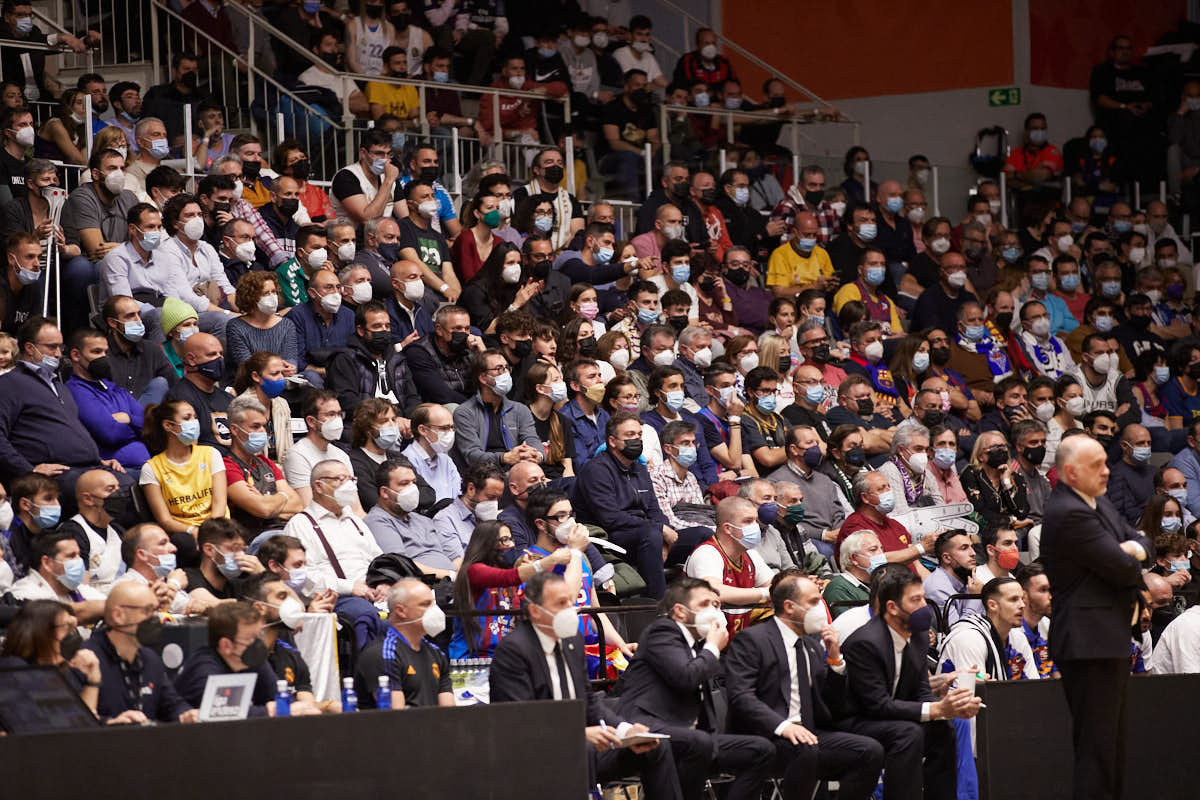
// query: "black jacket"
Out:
[871,668]
[354,375]
[157,698]
[746,227]
[758,684]
[662,683]
[1094,582]
[439,379]
[206,661]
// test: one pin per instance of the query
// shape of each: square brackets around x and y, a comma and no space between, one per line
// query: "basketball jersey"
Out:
[371,44]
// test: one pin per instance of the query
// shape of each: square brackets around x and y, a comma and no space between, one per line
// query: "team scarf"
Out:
[911,493]
[1050,360]
[878,307]
[997,359]
[560,236]
[881,376]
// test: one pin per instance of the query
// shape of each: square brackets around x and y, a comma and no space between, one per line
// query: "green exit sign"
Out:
[1005,97]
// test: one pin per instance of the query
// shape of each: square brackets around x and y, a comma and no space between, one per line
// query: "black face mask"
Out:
[1193,371]
[255,655]
[377,341]
[149,631]
[1009,412]
[856,456]
[70,644]
[940,356]
[738,277]
[777,102]
[707,285]
[287,206]
[820,353]
[100,369]
[301,169]
[1105,440]
[1034,455]
[333,59]
[213,370]
[680,190]
[540,270]
[190,80]
[429,174]
[1139,322]
[389,251]
[222,208]
[932,418]
[401,21]
[632,448]
[997,457]
[1004,321]
[116,505]
[866,408]
[553,174]
[458,342]
[374,11]
[640,97]
[708,196]
[522,348]
[587,347]
[678,323]
[250,170]
[962,573]
[785,364]
[814,198]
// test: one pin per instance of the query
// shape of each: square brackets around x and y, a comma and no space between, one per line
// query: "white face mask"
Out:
[957,279]
[664,358]
[428,208]
[194,229]
[918,461]
[346,252]
[244,252]
[238,186]
[6,515]
[706,619]
[331,302]
[619,358]
[815,619]
[361,292]
[408,497]
[511,273]
[562,532]
[702,358]
[565,623]
[414,290]
[317,258]
[25,136]
[748,362]
[486,510]
[433,620]
[873,352]
[346,494]
[115,181]
[331,429]
[268,303]
[940,245]
[1044,411]
[442,442]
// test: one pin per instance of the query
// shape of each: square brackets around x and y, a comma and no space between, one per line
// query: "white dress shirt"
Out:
[898,644]
[178,602]
[34,587]
[789,648]
[202,266]
[1178,649]
[351,541]
[552,665]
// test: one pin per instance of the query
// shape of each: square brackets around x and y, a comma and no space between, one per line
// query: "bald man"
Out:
[149,558]
[1093,559]
[93,527]
[1158,595]
[1131,484]
[134,687]
[203,369]
[405,309]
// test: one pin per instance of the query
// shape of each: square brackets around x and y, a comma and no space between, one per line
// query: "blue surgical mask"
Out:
[273,388]
[875,275]
[297,579]
[1099,144]
[387,437]
[159,148]
[1162,374]
[1011,254]
[976,333]
[312,6]
[546,52]
[227,565]
[1170,525]
[378,165]
[543,224]
[1122,226]
[1180,495]
[687,456]
[920,361]
[165,565]
[806,245]
[604,255]
[151,239]
[814,394]
[189,431]
[558,391]
[502,384]
[134,331]
[944,457]
[1141,454]
[681,272]
[1069,282]
[25,25]
[1110,288]
[877,561]
[1040,281]
[867,231]
[1103,323]
[256,442]
[887,502]
[751,536]
[647,316]
[767,403]
[441,77]
[894,204]
[674,400]
[27,277]
[73,573]
[398,140]
[47,516]
[50,363]
[741,195]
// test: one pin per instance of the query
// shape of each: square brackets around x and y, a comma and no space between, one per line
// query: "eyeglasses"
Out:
[497,370]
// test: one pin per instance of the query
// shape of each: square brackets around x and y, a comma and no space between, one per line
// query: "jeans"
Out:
[155,391]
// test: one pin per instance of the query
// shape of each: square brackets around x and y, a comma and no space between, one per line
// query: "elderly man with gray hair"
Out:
[905,470]
[264,238]
[694,356]
[875,502]
[259,496]
[861,555]
[418,672]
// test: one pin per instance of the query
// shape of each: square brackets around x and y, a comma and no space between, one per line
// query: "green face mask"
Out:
[492,218]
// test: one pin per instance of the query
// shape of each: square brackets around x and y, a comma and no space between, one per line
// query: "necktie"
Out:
[804,679]
[563,682]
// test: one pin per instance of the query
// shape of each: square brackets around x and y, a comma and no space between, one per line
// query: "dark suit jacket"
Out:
[519,672]
[757,682]
[1093,581]
[664,677]
[871,668]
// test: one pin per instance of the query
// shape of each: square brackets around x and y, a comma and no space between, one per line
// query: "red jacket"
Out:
[517,113]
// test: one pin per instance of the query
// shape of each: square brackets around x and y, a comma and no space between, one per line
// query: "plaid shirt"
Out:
[263,237]
[828,223]
[670,491]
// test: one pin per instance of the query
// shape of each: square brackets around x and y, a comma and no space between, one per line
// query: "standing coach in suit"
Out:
[889,698]
[787,686]
[669,686]
[543,659]
[1093,560]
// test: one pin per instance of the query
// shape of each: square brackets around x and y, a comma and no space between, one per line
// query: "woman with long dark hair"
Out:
[38,636]
[544,388]
[484,583]
[61,137]
[503,282]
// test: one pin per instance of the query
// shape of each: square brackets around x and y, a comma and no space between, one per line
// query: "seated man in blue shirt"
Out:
[588,417]
[111,415]
[398,529]
[667,395]
[323,325]
[614,492]
[433,431]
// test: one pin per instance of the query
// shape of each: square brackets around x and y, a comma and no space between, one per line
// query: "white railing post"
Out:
[280,134]
[154,39]
[729,127]
[1066,194]
[937,202]
[795,152]
[1162,192]
[570,157]
[189,155]
[664,131]
[721,160]
[249,60]
[1137,195]
[866,181]
[423,111]
[649,158]
[1003,199]
[497,131]
[87,121]
[455,162]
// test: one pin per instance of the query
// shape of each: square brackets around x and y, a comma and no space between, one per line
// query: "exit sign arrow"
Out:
[1004,97]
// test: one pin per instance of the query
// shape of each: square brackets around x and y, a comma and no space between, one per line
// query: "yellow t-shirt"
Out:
[850,291]
[399,100]
[187,488]
[786,267]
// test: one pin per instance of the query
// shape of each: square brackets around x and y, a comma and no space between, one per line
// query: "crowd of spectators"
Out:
[740,408]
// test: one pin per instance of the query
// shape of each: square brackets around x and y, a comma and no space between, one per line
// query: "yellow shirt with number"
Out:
[787,267]
[187,488]
[399,100]
[850,291]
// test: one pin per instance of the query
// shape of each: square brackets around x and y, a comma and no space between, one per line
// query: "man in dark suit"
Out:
[786,685]
[669,686]
[1093,560]
[543,659]
[889,698]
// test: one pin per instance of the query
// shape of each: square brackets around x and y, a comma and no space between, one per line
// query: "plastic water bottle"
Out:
[283,699]
[349,698]
[383,695]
